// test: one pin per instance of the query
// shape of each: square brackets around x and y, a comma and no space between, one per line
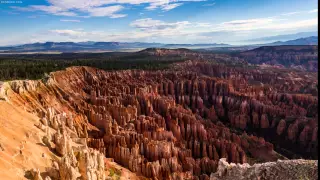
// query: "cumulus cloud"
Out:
[98,8]
[47,9]
[109,11]
[163,6]
[148,29]
[157,29]
[168,7]
[143,29]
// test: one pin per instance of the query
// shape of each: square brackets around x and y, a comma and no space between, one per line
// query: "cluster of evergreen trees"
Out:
[36,65]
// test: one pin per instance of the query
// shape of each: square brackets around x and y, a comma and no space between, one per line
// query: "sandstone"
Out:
[287,169]
[169,124]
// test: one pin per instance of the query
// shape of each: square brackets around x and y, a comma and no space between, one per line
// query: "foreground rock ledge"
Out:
[282,169]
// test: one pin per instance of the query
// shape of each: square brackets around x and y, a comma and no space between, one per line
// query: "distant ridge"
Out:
[196,45]
[153,50]
[311,48]
[312,40]
[96,46]
[285,37]
[92,46]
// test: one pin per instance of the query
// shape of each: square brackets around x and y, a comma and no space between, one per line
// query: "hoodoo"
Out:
[196,120]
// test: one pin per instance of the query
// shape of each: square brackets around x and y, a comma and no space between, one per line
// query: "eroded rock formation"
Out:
[282,169]
[172,124]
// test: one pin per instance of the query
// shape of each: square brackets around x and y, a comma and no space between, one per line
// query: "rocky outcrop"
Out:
[77,160]
[86,164]
[282,169]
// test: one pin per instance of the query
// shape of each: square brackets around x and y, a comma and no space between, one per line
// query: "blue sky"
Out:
[165,21]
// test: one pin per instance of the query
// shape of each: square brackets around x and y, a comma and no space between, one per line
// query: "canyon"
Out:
[195,120]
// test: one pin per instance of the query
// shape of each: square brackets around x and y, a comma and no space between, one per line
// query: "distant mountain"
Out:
[312,40]
[285,37]
[92,46]
[96,46]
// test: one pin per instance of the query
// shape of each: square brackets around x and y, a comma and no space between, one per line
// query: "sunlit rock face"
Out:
[176,123]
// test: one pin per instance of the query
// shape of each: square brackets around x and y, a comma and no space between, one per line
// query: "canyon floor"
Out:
[197,119]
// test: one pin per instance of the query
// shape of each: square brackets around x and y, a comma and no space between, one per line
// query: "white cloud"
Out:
[163,5]
[272,23]
[108,8]
[210,4]
[151,29]
[248,22]
[48,9]
[81,35]
[293,25]
[313,11]
[143,30]
[65,14]
[149,24]
[300,12]
[168,7]
[68,32]
[291,13]
[148,29]
[109,11]
[117,15]
[69,20]
[203,24]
